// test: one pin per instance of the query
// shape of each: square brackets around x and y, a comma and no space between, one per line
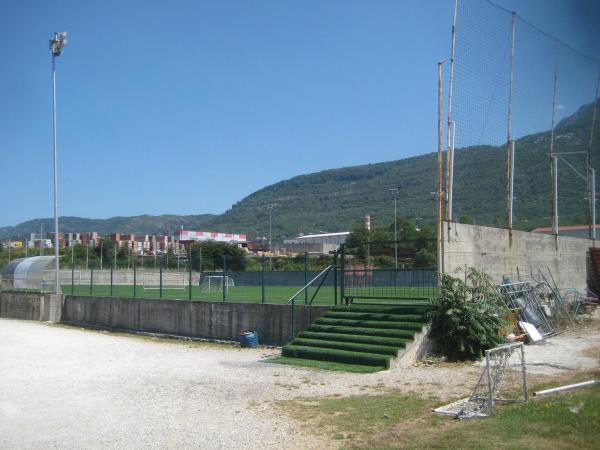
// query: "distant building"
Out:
[578,231]
[315,243]
[141,243]
[186,237]
[70,239]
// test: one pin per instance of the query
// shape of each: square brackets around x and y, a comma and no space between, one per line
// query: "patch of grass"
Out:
[237,294]
[559,422]
[396,420]
[358,415]
[324,365]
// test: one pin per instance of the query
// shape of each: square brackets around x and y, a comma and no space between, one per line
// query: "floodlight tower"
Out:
[57,43]
[394,192]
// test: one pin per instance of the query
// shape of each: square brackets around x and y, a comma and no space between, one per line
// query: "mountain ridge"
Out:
[333,199]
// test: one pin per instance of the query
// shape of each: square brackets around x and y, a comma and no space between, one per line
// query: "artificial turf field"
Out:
[237,294]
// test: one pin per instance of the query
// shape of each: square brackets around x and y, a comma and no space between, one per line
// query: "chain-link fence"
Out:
[388,271]
[220,279]
[526,103]
[351,275]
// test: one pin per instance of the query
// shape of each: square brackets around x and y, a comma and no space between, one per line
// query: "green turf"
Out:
[350,346]
[334,355]
[238,294]
[409,307]
[325,365]
[374,316]
[360,339]
[369,324]
[362,331]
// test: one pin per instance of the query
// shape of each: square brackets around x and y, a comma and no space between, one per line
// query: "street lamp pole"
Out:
[394,192]
[270,238]
[57,43]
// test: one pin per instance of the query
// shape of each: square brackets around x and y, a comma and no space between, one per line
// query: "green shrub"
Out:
[469,316]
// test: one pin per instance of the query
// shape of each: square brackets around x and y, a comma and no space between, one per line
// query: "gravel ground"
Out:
[66,387]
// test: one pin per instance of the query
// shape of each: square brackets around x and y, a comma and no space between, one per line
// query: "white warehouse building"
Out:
[315,243]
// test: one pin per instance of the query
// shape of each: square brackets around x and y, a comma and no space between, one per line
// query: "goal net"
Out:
[170,280]
[215,283]
[65,277]
[503,380]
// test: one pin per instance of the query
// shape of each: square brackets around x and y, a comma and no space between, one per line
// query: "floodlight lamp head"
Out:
[58,42]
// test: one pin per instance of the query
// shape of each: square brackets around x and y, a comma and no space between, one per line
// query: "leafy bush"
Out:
[469,316]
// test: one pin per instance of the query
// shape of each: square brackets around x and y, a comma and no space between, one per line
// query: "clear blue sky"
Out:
[186,107]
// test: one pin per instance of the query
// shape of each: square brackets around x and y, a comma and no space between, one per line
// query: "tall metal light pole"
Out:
[270,208]
[394,192]
[57,43]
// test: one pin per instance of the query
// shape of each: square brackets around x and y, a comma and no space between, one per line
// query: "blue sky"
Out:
[186,107]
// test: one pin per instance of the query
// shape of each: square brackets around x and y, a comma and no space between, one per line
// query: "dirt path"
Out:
[68,387]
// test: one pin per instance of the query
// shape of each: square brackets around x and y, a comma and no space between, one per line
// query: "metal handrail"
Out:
[327,269]
[292,303]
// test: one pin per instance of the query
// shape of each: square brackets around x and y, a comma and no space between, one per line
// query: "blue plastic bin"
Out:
[248,338]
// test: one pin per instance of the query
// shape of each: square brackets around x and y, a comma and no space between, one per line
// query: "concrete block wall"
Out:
[30,306]
[211,320]
[493,251]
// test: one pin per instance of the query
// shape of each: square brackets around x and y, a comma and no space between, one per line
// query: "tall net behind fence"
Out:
[512,82]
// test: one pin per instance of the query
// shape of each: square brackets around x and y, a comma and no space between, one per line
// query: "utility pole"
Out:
[440,228]
[270,208]
[394,192]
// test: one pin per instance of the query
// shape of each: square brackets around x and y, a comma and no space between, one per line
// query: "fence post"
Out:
[190,274]
[92,280]
[342,269]
[111,280]
[335,280]
[134,280]
[262,279]
[199,266]
[73,279]
[161,278]
[305,277]
[224,278]
[293,318]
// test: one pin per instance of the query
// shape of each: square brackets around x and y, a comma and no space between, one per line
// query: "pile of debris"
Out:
[540,308]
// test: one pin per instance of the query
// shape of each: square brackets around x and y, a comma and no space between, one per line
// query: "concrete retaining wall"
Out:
[491,250]
[30,306]
[194,319]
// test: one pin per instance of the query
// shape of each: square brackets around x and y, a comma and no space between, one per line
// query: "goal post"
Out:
[65,277]
[502,380]
[215,283]
[170,280]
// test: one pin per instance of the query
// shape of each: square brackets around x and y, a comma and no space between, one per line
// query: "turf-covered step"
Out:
[342,356]
[406,334]
[369,324]
[361,339]
[350,346]
[418,318]
[415,309]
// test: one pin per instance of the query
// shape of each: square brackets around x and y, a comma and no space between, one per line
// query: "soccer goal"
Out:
[503,380]
[215,283]
[65,277]
[170,280]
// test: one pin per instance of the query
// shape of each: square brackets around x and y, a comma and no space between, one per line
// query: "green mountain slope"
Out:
[332,200]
